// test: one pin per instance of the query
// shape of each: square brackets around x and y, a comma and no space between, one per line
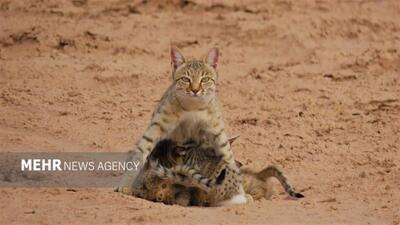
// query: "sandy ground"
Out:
[312,86]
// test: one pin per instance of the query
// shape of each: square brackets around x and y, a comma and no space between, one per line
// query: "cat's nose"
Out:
[195,91]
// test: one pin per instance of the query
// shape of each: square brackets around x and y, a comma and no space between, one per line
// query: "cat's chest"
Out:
[202,115]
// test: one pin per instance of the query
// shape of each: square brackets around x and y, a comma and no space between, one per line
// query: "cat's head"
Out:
[194,80]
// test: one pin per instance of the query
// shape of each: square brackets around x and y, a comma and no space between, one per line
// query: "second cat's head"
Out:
[194,80]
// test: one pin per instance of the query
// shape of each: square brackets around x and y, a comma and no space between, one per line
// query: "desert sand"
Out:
[311,86]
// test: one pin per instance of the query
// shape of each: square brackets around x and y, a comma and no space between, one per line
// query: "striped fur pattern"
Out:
[190,158]
[191,96]
[191,173]
[155,188]
[194,159]
[258,186]
[189,167]
[186,175]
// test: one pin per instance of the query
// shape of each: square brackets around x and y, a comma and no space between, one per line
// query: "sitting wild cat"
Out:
[191,96]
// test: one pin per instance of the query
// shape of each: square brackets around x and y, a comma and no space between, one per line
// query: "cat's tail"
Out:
[273,171]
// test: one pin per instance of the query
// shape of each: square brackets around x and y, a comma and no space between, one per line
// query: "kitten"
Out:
[189,159]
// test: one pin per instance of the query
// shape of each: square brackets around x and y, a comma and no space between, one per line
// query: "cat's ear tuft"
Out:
[212,57]
[177,58]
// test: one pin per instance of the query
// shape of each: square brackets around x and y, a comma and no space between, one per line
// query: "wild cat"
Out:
[191,96]
[256,184]
[189,158]
[160,184]
[184,169]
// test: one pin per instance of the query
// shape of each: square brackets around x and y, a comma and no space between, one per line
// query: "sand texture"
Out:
[311,86]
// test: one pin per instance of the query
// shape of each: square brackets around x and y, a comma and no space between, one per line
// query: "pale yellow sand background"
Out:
[312,86]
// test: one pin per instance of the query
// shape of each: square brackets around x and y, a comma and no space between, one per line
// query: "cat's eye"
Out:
[205,79]
[185,79]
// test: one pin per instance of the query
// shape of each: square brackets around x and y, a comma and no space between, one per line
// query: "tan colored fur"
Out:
[191,96]
[196,171]
[192,158]
[258,185]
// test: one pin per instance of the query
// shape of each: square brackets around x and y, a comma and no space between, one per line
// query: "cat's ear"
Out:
[177,58]
[212,57]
